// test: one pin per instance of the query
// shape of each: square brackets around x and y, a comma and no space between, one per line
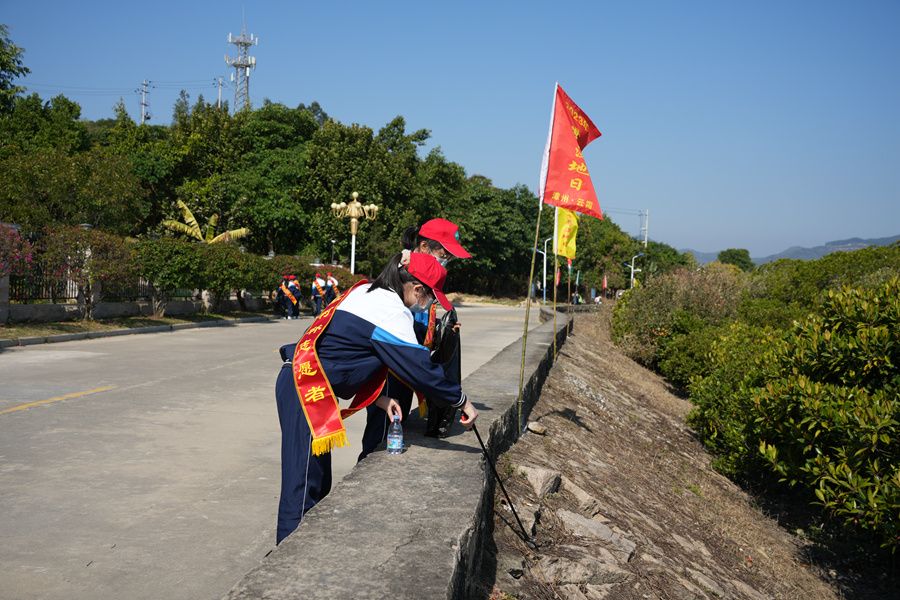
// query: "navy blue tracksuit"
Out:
[368,331]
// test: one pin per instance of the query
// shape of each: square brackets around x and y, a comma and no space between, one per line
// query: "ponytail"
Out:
[411,240]
[393,276]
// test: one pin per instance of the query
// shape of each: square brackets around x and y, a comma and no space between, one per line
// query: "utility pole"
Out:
[645,225]
[145,105]
[219,85]
[242,64]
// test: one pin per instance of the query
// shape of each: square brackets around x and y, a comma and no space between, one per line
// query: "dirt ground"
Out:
[624,504]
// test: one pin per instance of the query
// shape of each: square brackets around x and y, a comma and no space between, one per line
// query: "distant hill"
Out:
[801,253]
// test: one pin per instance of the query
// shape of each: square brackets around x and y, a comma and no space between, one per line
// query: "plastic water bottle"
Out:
[395,437]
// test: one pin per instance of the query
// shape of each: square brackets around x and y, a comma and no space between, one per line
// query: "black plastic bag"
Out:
[447,354]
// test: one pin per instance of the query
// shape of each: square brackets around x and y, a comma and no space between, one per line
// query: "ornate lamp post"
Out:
[355,210]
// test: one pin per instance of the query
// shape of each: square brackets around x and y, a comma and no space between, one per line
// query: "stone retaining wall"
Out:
[411,526]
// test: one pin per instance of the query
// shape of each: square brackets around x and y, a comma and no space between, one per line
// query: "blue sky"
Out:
[758,125]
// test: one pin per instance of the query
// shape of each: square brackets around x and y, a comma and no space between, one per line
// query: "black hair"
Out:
[411,240]
[393,276]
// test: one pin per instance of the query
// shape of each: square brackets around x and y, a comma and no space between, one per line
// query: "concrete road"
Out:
[147,466]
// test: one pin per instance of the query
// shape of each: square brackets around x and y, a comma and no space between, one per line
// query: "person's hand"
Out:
[390,406]
[456,327]
[469,414]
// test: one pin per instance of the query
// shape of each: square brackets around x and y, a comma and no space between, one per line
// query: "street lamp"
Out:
[354,210]
[633,269]
[332,251]
[545,268]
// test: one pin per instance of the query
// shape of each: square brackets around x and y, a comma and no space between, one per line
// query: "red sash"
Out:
[287,292]
[320,405]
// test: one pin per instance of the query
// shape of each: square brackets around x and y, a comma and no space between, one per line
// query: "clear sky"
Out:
[757,125]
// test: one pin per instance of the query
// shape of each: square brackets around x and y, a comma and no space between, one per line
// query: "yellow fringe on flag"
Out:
[329,442]
[423,409]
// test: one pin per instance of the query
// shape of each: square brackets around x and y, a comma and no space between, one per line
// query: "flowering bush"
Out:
[15,252]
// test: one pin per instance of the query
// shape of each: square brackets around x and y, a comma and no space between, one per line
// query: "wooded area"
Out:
[276,170]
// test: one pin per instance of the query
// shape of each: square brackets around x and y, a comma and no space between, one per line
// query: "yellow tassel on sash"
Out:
[328,443]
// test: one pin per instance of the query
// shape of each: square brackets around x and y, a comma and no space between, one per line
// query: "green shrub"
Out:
[646,316]
[723,406]
[168,264]
[829,418]
[800,284]
[685,352]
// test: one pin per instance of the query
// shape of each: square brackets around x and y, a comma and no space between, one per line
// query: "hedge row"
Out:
[794,373]
[168,264]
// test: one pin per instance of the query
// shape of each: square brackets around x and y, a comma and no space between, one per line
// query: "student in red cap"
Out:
[346,353]
[438,238]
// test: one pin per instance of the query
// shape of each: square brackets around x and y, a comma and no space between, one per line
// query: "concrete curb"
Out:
[68,337]
[412,526]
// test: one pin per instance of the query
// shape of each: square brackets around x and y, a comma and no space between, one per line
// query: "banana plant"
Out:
[191,228]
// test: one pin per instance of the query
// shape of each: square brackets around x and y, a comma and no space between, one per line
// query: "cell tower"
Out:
[242,65]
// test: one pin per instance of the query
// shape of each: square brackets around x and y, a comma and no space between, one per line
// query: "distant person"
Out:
[294,287]
[317,297]
[331,288]
[347,352]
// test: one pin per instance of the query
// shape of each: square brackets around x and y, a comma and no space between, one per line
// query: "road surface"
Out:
[147,466]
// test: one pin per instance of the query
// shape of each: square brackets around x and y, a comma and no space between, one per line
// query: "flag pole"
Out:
[537,234]
[555,272]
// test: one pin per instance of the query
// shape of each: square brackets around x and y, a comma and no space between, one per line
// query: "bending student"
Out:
[346,353]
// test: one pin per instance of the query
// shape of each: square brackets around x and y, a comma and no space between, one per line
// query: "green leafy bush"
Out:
[723,405]
[685,352]
[169,264]
[829,414]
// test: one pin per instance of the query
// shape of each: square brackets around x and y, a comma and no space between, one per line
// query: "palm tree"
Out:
[191,228]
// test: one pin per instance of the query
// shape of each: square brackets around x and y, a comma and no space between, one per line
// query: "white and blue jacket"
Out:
[374,329]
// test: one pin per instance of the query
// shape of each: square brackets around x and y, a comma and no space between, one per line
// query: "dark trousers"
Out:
[317,305]
[377,419]
[305,479]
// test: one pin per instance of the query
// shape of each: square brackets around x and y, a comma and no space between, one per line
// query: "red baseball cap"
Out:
[429,271]
[446,233]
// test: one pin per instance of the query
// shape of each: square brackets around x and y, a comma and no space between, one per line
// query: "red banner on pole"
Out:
[565,181]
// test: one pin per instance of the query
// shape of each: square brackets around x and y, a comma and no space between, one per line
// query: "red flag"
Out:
[565,181]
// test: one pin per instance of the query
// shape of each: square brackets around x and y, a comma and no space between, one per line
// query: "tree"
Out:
[191,228]
[86,257]
[738,257]
[169,264]
[11,67]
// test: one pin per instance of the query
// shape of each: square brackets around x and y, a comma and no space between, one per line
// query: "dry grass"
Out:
[24,330]
[616,432]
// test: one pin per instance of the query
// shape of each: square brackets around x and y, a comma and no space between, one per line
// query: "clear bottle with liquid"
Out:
[395,437]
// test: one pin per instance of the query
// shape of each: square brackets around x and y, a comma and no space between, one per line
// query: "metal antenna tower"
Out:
[242,65]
